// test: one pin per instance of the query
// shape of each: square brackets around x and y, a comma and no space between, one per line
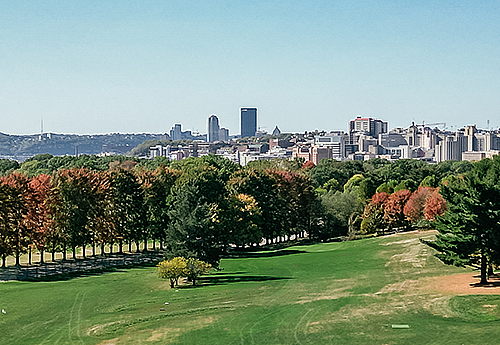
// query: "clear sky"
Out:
[141,66]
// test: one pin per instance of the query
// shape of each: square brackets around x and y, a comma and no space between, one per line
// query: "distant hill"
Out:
[20,147]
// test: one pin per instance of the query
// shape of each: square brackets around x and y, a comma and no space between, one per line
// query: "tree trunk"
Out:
[111,248]
[145,244]
[102,249]
[18,263]
[74,252]
[161,244]
[130,246]
[3,261]
[490,270]
[484,266]
[83,250]
[120,246]
[93,248]
[41,257]
[64,252]
[137,247]
[29,256]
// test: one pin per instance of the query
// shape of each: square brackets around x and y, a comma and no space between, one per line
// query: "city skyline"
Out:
[140,66]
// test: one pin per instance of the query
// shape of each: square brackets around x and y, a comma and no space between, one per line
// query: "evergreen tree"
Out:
[469,228]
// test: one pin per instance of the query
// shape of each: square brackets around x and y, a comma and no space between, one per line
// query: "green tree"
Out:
[193,232]
[128,207]
[196,268]
[157,189]
[468,230]
[262,187]
[338,208]
[373,218]
[241,220]
[8,166]
[74,206]
[9,204]
[331,168]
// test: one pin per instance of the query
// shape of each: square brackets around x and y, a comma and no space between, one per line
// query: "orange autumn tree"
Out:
[435,206]
[17,233]
[424,203]
[414,208]
[38,222]
[393,210]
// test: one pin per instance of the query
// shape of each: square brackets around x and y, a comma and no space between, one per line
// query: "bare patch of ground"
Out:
[168,335]
[109,342]
[414,253]
[463,284]
[329,294]
[340,288]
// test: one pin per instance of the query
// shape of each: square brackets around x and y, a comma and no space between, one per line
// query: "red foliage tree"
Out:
[380,198]
[414,208]
[435,206]
[308,165]
[393,211]
[296,191]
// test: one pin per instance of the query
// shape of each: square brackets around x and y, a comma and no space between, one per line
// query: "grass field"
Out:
[334,293]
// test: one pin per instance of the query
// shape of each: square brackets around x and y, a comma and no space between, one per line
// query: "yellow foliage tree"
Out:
[173,270]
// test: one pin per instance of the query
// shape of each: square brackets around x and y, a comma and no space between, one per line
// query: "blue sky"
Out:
[141,66]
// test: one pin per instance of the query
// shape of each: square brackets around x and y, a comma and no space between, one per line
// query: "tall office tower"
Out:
[176,132]
[248,122]
[213,128]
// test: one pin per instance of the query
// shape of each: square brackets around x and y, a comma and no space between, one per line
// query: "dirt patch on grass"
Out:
[168,335]
[109,342]
[464,284]
[404,286]
[329,294]
[414,253]
[340,288]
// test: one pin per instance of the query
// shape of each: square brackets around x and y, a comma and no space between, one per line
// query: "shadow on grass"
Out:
[262,254]
[90,273]
[228,279]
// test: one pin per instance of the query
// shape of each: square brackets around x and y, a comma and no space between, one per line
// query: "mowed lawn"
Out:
[333,293]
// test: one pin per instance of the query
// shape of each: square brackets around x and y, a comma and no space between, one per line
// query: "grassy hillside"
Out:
[335,293]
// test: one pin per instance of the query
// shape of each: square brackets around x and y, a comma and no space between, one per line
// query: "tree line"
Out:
[201,207]
[197,207]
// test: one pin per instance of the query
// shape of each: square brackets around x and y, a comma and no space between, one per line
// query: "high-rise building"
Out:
[213,128]
[223,134]
[248,122]
[367,125]
[176,132]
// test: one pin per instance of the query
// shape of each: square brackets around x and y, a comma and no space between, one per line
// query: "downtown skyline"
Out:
[134,67]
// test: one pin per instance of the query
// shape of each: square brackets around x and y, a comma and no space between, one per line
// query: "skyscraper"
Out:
[213,128]
[248,122]
[176,132]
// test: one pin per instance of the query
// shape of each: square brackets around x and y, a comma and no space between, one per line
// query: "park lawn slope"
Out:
[338,293]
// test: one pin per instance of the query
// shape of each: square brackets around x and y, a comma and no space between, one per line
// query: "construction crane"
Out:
[432,124]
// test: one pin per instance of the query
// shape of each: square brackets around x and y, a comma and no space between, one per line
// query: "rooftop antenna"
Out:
[41,126]
[488,124]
